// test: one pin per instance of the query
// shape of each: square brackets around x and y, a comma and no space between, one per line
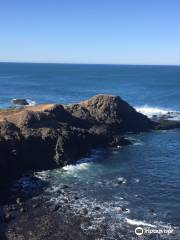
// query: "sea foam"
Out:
[139,223]
[31,103]
[75,168]
[150,111]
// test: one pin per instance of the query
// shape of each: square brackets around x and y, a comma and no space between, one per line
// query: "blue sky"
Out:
[90,31]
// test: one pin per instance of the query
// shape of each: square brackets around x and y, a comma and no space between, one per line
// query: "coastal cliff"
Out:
[52,135]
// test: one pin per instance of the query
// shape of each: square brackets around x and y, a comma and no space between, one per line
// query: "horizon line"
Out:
[79,63]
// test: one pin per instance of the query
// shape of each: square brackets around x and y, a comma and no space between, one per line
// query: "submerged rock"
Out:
[152,210]
[65,186]
[8,217]
[121,180]
[167,125]
[97,208]
[84,211]
[54,208]
[124,209]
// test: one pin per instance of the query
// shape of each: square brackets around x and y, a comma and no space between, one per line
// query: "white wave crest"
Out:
[150,112]
[31,103]
[43,175]
[138,143]
[75,168]
[139,223]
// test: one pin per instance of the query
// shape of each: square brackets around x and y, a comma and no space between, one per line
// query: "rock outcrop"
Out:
[111,111]
[167,125]
[19,101]
[52,135]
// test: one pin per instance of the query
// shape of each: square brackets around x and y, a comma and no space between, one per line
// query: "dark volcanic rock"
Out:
[167,125]
[20,101]
[52,135]
[8,217]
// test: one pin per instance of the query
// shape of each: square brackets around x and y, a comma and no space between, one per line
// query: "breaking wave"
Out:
[74,168]
[151,112]
[31,103]
[139,223]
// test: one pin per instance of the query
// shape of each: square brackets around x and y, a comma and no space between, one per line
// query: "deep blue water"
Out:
[139,85]
[150,168]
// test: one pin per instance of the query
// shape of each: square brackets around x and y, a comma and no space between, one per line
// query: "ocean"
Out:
[149,169]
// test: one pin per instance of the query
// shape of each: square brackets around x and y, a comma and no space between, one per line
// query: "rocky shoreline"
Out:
[30,215]
[51,136]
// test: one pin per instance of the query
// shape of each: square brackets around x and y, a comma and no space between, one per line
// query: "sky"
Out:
[90,31]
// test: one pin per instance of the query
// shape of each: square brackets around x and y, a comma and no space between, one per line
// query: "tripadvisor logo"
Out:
[139,231]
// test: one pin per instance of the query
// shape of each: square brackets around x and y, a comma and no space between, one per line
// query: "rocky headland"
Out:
[52,135]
